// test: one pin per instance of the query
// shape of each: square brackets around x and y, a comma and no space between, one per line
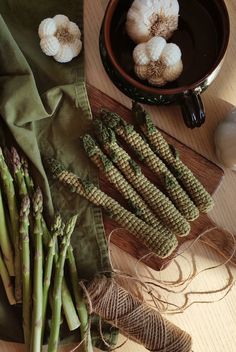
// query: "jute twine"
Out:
[135,319]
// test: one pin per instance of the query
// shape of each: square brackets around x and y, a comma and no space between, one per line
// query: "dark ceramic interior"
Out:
[202,35]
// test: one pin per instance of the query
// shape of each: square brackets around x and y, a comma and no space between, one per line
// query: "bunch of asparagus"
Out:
[33,259]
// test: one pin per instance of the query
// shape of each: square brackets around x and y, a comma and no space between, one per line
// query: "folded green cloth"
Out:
[45,106]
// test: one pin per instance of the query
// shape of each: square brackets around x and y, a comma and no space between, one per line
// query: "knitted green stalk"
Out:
[80,302]
[194,188]
[10,196]
[6,280]
[57,288]
[26,277]
[5,242]
[157,201]
[156,242]
[36,343]
[145,153]
[115,177]
[48,267]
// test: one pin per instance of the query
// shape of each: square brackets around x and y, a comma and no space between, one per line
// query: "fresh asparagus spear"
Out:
[6,281]
[28,179]
[9,190]
[18,173]
[57,289]
[56,228]
[80,302]
[5,242]
[195,189]
[158,243]
[37,204]
[158,202]
[145,153]
[116,178]
[68,305]
[26,277]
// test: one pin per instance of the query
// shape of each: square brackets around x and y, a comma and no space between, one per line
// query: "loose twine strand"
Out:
[108,299]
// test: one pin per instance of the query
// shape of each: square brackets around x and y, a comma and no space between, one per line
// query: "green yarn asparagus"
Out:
[194,188]
[57,288]
[126,131]
[156,242]
[157,201]
[115,177]
[26,276]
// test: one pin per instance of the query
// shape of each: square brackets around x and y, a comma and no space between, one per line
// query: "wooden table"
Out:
[212,326]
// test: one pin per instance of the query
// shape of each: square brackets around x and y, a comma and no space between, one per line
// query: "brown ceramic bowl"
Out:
[202,35]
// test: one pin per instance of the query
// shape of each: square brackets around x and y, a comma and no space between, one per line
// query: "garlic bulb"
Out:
[157,62]
[225,141]
[150,18]
[60,38]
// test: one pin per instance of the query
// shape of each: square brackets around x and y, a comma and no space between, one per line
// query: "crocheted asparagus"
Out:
[195,189]
[157,201]
[158,243]
[115,177]
[145,153]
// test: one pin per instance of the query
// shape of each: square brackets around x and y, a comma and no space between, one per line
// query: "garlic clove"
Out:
[50,45]
[76,48]
[140,55]
[65,54]
[61,20]
[171,54]
[141,71]
[47,27]
[171,73]
[225,141]
[154,48]
[74,30]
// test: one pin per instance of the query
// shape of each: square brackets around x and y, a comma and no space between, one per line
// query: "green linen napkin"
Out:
[45,106]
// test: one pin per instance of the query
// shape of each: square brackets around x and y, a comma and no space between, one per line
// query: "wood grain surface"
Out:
[212,326]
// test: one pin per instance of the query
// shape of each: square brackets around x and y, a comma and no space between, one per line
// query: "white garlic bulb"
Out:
[60,38]
[157,61]
[150,18]
[225,141]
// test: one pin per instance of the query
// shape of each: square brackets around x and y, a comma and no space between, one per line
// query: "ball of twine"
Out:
[135,319]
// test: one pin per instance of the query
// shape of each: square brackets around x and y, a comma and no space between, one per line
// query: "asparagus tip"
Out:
[54,166]
[16,162]
[57,223]
[25,206]
[112,119]
[89,144]
[37,201]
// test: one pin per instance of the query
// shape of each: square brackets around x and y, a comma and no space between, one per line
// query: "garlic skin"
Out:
[150,18]
[157,61]
[225,141]
[60,38]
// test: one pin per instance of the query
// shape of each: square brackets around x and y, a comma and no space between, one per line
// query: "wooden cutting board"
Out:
[206,171]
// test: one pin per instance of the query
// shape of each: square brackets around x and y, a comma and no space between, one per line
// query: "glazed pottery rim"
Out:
[153,90]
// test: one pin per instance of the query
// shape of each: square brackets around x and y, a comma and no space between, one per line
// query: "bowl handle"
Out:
[192,109]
